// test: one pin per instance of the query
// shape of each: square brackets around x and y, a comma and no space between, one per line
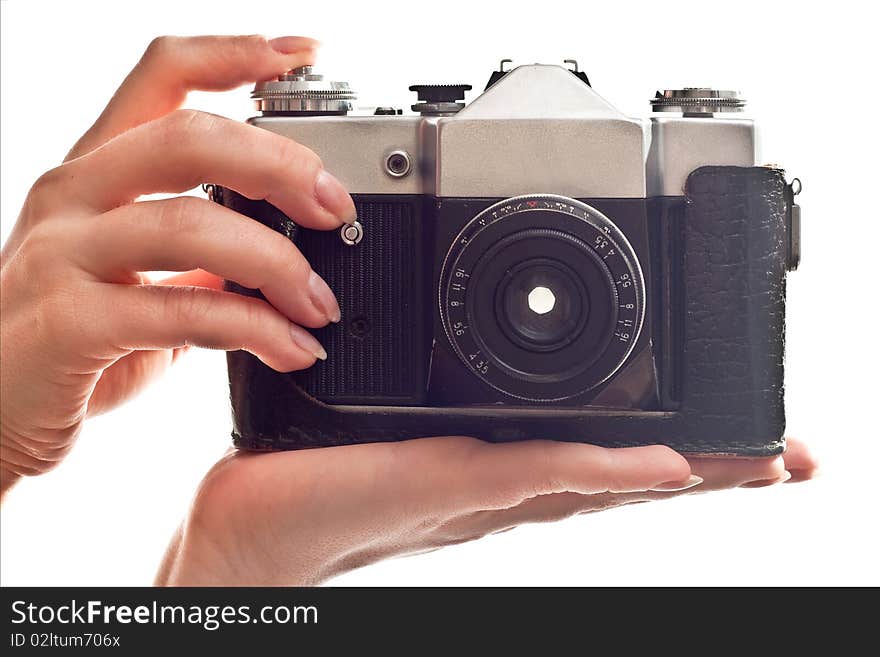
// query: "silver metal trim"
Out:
[697,101]
[354,148]
[390,170]
[794,259]
[352,234]
[302,90]
[437,108]
[679,145]
[538,127]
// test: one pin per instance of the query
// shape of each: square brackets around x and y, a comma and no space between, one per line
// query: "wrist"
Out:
[199,558]
[194,562]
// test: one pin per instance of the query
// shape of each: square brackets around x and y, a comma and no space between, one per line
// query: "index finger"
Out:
[173,66]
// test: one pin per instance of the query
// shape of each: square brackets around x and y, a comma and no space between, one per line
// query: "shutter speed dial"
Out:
[302,92]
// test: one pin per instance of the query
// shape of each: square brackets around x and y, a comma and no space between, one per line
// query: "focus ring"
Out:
[575,251]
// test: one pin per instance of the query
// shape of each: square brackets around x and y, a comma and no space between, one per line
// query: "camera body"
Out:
[533,264]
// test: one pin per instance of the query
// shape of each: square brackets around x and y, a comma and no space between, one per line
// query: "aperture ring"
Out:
[557,229]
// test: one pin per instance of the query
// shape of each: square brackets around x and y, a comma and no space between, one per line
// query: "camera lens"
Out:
[542,297]
[541,347]
[542,304]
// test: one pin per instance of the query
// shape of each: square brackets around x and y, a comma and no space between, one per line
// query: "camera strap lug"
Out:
[793,220]
[214,192]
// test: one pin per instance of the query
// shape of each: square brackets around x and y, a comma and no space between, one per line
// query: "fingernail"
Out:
[306,341]
[288,45]
[673,486]
[761,483]
[334,198]
[322,298]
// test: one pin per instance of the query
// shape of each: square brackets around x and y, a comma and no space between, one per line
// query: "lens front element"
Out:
[541,304]
[541,300]
[542,297]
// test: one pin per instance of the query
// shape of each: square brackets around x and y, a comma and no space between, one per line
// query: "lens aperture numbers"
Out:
[558,247]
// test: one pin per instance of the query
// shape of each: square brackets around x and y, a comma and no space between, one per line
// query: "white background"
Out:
[105,515]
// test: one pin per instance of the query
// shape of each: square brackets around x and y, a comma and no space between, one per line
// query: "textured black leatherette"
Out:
[735,241]
[726,245]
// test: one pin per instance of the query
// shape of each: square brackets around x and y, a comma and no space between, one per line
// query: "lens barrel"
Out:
[542,297]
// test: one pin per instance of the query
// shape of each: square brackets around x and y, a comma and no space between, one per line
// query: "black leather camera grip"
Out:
[726,248]
[735,260]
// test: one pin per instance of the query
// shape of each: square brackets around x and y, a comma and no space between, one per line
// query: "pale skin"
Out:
[84,329]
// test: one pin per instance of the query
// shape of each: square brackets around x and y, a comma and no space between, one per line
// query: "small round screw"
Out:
[360,326]
[398,164]
[352,234]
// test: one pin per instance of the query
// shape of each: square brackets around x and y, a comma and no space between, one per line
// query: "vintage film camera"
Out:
[533,264]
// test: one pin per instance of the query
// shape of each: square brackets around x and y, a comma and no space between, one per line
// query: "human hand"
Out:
[83,327]
[299,518]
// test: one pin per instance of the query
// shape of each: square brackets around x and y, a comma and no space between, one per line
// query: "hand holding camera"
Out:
[84,328]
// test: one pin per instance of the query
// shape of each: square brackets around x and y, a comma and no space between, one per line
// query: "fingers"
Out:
[187,233]
[503,475]
[185,148]
[168,317]
[799,461]
[721,473]
[555,507]
[717,474]
[795,465]
[173,66]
